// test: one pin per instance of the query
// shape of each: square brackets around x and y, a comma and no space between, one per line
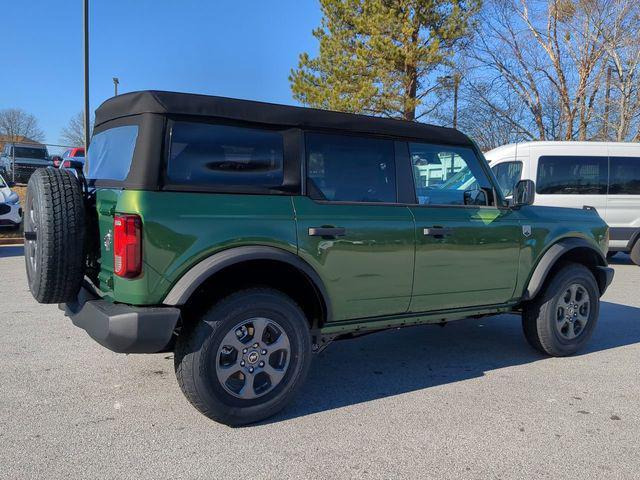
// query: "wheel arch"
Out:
[576,250]
[287,271]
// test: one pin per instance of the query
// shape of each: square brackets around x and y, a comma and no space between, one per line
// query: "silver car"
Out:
[10,210]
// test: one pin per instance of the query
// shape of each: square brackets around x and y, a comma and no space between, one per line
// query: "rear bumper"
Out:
[123,328]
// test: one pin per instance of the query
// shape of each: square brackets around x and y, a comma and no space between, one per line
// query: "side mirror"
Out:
[476,197]
[10,184]
[524,193]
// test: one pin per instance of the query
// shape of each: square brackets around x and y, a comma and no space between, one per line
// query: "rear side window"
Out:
[111,153]
[572,175]
[507,174]
[343,168]
[209,155]
[624,176]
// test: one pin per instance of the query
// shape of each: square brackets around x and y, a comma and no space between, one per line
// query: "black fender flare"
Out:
[549,259]
[199,273]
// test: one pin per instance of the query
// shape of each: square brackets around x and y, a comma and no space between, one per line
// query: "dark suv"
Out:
[244,236]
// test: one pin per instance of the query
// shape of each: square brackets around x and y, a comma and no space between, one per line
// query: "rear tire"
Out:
[230,371]
[635,253]
[561,320]
[54,233]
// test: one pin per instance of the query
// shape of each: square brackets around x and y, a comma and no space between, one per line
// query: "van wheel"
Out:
[635,253]
[245,358]
[562,318]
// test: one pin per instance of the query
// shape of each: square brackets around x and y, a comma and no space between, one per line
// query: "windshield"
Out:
[31,152]
[111,153]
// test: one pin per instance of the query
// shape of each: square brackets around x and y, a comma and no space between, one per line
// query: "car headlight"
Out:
[13,198]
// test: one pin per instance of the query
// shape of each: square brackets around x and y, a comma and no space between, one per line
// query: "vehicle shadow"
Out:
[620,259]
[400,361]
[11,251]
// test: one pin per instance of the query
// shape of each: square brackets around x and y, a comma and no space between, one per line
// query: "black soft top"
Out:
[172,103]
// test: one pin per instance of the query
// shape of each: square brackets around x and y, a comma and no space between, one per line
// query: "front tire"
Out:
[245,358]
[561,320]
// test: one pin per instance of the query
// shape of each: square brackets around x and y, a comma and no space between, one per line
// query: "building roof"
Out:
[159,102]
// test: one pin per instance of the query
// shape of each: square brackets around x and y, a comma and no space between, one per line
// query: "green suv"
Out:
[245,236]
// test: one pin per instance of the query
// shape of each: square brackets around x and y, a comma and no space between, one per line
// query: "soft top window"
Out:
[111,153]
[221,155]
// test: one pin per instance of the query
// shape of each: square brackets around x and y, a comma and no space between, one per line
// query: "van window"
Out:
[507,174]
[351,169]
[111,153]
[442,174]
[572,175]
[624,176]
[208,155]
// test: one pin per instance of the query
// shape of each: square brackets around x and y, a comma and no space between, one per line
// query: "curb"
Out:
[12,241]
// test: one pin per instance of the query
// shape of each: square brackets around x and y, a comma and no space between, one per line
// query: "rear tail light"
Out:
[127,245]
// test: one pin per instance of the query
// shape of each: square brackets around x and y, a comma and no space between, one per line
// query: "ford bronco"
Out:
[245,236]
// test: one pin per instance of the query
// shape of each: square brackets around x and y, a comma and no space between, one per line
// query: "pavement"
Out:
[468,401]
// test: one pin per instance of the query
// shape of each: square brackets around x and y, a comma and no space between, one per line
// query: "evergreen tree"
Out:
[381,56]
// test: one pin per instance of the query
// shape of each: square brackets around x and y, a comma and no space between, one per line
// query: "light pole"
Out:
[116,81]
[85,26]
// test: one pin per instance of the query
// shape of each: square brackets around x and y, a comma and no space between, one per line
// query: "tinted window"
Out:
[507,174]
[30,152]
[572,175]
[624,176]
[443,174]
[351,169]
[204,154]
[111,153]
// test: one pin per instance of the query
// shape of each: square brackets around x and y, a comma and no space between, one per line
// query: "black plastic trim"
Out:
[551,256]
[198,274]
[123,328]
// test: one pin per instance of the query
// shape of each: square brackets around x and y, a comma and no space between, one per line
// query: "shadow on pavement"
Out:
[400,361]
[11,251]
[620,259]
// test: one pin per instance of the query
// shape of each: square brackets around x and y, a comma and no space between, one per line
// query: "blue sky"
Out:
[239,49]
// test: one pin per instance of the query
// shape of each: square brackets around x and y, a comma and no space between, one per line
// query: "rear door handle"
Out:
[437,232]
[327,231]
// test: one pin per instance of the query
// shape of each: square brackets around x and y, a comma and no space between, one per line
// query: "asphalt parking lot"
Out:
[470,400]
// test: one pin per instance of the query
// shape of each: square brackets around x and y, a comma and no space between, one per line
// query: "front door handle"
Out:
[437,232]
[327,232]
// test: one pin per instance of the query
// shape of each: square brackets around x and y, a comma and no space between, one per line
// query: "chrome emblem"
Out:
[108,238]
[526,230]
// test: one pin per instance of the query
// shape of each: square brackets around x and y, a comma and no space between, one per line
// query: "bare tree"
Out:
[17,124]
[73,133]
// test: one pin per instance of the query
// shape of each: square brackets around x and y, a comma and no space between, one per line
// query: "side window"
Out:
[507,174]
[572,175]
[624,176]
[208,155]
[445,175]
[351,169]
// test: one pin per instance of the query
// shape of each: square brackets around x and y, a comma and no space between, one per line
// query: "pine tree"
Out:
[380,56]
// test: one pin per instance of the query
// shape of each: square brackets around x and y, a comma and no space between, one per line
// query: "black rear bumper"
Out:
[123,328]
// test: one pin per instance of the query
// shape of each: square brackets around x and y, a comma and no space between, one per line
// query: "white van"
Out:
[604,175]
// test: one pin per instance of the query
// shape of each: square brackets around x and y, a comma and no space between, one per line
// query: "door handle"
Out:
[327,231]
[437,232]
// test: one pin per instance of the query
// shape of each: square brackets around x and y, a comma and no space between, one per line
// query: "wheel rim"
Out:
[572,314]
[31,236]
[253,358]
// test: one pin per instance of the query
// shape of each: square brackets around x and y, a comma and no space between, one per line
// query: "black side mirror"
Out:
[524,193]
[10,184]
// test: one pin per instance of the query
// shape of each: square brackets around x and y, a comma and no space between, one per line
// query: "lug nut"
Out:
[242,363]
[261,364]
[263,352]
[244,350]
[250,369]
[255,345]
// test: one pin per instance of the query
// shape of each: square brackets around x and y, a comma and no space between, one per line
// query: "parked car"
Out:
[603,175]
[10,210]
[243,236]
[25,158]
[72,160]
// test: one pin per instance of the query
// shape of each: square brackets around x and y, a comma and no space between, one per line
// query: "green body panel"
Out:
[181,229]
[369,271]
[476,265]
[383,272]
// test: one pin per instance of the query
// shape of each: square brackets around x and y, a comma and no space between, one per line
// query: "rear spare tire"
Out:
[54,235]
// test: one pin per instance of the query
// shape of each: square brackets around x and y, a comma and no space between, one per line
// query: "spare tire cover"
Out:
[54,233]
